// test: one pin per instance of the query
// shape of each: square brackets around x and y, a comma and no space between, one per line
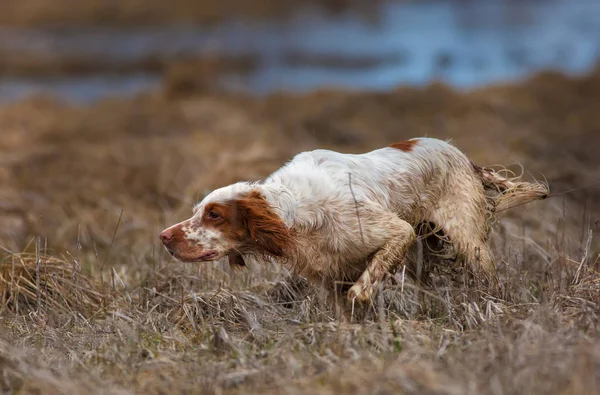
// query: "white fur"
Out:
[349,213]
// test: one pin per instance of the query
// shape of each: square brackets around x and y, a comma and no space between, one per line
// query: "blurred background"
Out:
[85,50]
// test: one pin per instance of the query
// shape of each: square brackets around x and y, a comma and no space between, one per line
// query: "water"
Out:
[464,43]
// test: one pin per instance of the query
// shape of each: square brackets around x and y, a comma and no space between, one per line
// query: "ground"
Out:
[92,303]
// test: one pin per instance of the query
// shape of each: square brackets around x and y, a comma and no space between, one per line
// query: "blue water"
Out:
[464,43]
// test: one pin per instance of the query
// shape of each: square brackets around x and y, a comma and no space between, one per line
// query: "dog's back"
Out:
[405,178]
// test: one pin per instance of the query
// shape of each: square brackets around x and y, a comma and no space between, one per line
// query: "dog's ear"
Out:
[265,227]
[236,261]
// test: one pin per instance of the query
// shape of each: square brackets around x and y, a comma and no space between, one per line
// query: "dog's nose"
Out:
[166,236]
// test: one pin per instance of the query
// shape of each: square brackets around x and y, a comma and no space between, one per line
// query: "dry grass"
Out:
[92,304]
[33,283]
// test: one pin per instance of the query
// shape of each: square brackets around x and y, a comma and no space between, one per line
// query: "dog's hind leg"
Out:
[463,218]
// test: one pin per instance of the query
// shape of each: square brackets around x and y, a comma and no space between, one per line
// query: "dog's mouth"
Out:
[209,255]
[206,256]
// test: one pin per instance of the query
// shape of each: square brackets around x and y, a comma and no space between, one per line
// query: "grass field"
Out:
[92,304]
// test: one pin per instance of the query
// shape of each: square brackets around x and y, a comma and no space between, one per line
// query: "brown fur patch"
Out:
[252,224]
[179,245]
[405,146]
[229,222]
[177,233]
[265,227]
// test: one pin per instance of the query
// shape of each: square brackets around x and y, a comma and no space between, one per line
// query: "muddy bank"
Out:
[44,65]
[52,13]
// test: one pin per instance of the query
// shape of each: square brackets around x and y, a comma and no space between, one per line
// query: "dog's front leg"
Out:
[386,260]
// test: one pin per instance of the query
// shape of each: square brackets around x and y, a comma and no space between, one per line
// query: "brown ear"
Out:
[266,229]
[236,261]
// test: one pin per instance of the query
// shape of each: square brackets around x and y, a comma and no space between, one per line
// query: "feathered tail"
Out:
[511,191]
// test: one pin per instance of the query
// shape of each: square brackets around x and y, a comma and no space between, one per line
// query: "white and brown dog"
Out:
[342,217]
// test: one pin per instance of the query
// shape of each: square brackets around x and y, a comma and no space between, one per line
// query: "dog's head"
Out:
[230,221]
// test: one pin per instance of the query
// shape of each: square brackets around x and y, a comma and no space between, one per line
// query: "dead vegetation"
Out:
[92,304]
[30,283]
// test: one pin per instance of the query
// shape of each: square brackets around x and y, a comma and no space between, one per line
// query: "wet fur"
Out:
[335,217]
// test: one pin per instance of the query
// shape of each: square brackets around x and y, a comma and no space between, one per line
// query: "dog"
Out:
[334,217]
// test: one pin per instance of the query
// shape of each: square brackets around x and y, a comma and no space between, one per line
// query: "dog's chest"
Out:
[327,258]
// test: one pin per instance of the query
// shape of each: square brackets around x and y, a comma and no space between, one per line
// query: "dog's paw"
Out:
[361,293]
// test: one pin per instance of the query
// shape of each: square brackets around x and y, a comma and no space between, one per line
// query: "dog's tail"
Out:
[511,191]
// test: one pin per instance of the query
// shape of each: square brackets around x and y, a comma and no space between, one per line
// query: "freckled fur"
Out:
[307,215]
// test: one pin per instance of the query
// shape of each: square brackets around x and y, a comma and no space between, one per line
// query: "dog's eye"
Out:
[212,215]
